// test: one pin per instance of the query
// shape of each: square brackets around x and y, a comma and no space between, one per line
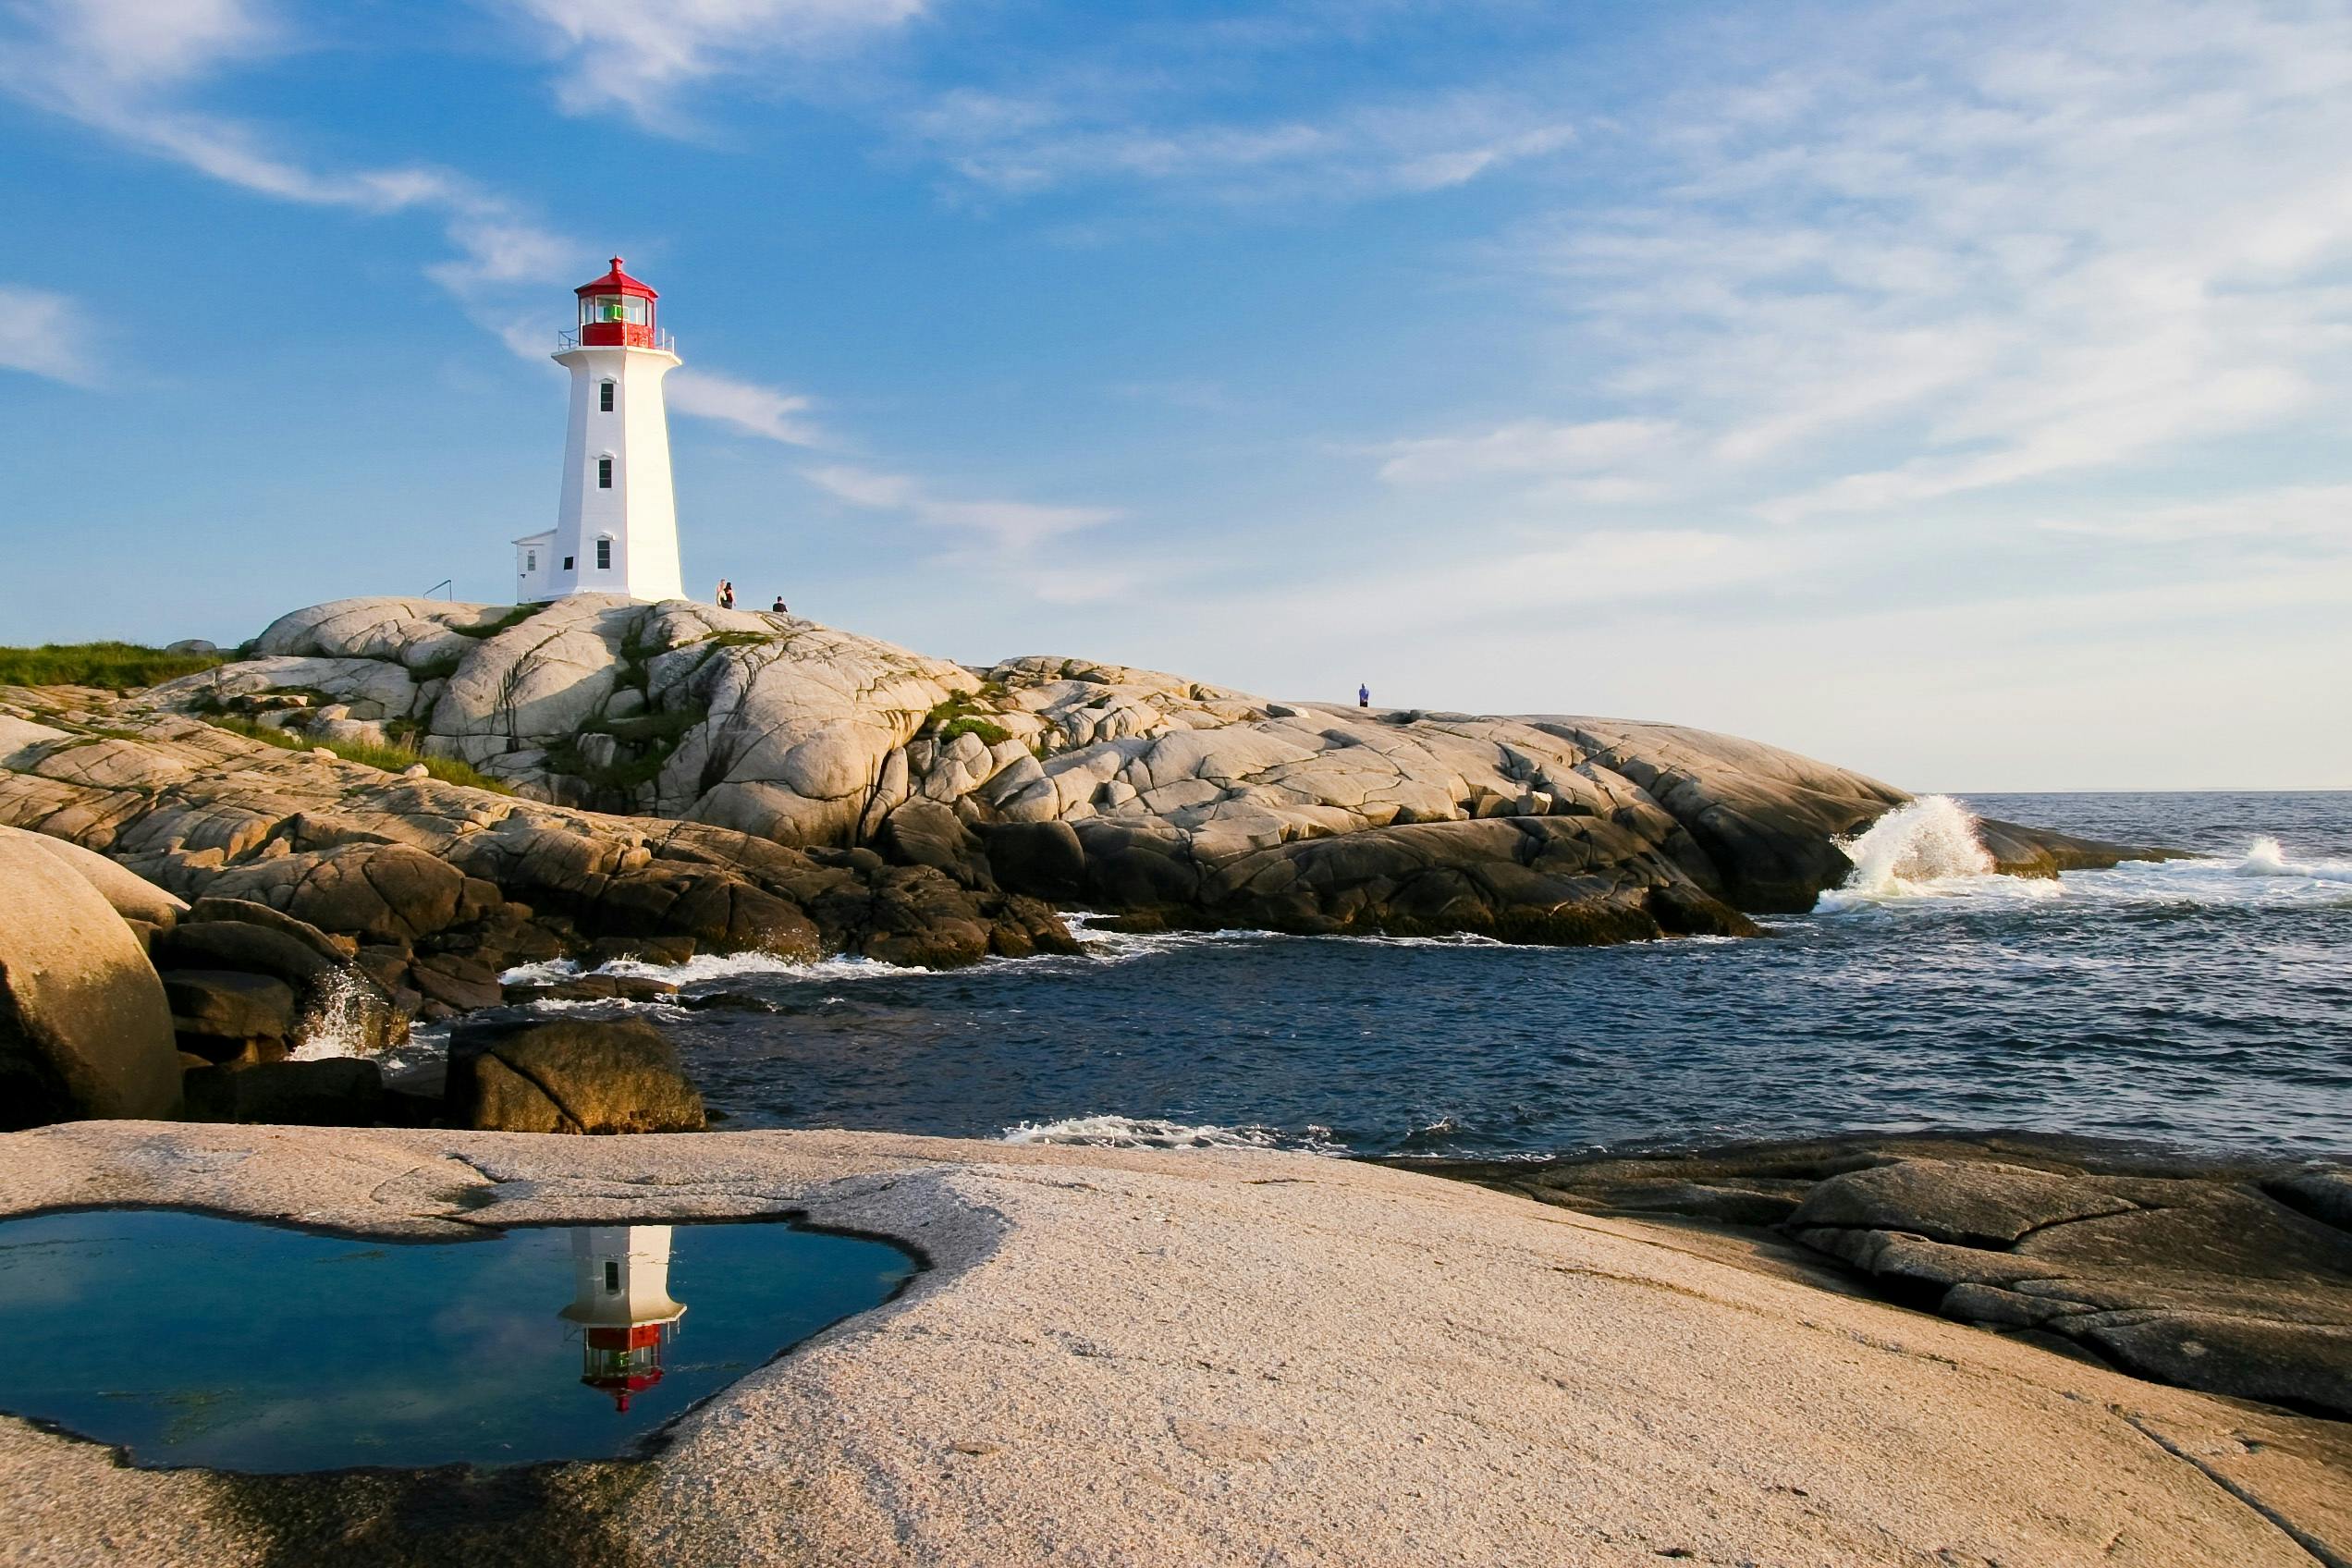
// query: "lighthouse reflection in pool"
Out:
[193,1340]
[620,1299]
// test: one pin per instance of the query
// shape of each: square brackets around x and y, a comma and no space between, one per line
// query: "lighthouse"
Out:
[617,526]
[620,1299]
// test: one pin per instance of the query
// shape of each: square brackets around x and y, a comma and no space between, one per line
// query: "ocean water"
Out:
[2204,1004]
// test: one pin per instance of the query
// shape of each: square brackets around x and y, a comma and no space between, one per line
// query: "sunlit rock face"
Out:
[1126,790]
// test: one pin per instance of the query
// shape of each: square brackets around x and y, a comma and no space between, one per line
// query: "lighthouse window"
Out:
[604,555]
[617,307]
[612,1278]
[604,398]
[604,473]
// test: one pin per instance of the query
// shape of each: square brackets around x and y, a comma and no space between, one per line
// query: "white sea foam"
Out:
[1925,848]
[1150,1132]
[1929,851]
[337,1020]
[712,966]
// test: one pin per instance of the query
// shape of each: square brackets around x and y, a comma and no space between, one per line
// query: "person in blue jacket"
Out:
[1364,696]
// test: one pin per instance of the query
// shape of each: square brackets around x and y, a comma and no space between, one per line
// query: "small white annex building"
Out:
[617,527]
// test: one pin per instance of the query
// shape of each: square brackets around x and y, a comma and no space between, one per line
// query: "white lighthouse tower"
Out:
[616,528]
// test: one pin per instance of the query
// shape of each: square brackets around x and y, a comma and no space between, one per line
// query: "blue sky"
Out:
[1957,392]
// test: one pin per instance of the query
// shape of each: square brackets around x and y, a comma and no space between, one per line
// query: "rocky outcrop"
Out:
[2236,1279]
[1201,1358]
[1128,791]
[85,1030]
[570,1075]
[432,889]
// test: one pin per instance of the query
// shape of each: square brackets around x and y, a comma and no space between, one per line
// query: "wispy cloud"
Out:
[1089,130]
[1009,525]
[1947,258]
[635,56]
[1526,448]
[761,410]
[46,334]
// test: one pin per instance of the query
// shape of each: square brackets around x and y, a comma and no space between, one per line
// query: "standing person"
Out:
[718,595]
[1364,696]
[726,594]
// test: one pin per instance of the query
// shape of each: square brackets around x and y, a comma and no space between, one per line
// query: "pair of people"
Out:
[725,596]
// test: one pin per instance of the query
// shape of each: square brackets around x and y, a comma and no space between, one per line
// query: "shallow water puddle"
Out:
[193,1340]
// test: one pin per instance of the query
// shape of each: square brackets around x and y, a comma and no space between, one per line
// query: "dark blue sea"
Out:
[2204,1004]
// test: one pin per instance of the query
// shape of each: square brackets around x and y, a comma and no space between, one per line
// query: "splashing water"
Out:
[1918,848]
[2266,857]
[344,1019]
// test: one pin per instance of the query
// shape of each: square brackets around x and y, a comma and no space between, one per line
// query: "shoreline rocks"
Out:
[760,781]
[2230,1277]
[1198,1358]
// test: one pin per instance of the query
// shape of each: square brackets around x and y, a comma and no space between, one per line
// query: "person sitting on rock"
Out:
[777,608]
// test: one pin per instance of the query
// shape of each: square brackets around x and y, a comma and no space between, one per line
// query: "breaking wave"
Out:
[1931,840]
[1154,1133]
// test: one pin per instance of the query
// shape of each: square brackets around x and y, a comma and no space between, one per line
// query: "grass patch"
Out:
[117,667]
[390,758]
[514,617]
[960,715]
[652,736]
[737,639]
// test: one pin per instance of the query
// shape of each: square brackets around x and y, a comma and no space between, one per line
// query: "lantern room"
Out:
[617,310]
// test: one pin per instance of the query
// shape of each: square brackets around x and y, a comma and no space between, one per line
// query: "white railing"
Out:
[565,341]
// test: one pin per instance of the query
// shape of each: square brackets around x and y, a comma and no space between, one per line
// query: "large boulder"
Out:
[569,1076]
[131,895]
[85,1030]
[227,1005]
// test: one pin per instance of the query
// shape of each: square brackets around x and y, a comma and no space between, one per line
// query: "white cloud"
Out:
[1009,525]
[1525,447]
[46,334]
[1948,255]
[636,56]
[762,411]
[1090,129]
[2317,514]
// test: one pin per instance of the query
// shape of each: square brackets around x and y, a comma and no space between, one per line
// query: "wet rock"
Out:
[569,1076]
[666,950]
[85,1029]
[245,912]
[455,981]
[1971,1203]
[228,1004]
[334,1093]
[252,950]
[2228,1279]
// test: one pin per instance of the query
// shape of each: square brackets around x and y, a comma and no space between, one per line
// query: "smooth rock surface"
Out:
[84,1026]
[131,896]
[1207,1358]
[2235,1279]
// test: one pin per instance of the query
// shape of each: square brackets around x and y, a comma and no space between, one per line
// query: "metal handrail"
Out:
[568,340]
[450,583]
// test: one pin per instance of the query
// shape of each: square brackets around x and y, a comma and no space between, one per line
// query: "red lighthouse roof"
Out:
[616,282]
